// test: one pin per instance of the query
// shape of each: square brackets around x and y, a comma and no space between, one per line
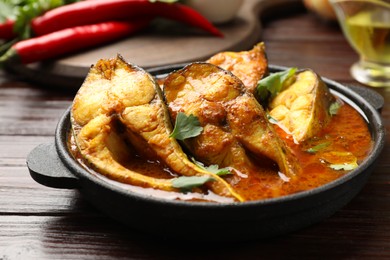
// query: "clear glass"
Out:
[366,25]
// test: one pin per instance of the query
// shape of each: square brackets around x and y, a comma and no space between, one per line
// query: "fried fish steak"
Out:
[234,123]
[302,108]
[249,66]
[119,109]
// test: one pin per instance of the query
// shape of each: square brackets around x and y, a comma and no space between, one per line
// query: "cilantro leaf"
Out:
[334,108]
[271,119]
[23,11]
[270,86]
[318,147]
[187,183]
[7,11]
[31,9]
[186,127]
[214,168]
[344,166]
[340,160]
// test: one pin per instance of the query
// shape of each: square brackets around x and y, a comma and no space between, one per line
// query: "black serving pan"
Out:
[53,165]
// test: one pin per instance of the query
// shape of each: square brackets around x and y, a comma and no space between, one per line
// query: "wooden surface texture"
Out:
[37,222]
[162,43]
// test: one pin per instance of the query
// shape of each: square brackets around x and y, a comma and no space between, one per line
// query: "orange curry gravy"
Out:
[347,132]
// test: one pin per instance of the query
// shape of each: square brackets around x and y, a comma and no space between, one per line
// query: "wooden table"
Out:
[37,222]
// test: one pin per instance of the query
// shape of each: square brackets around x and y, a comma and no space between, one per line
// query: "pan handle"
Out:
[372,97]
[47,169]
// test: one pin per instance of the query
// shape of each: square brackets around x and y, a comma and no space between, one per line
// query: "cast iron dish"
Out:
[53,165]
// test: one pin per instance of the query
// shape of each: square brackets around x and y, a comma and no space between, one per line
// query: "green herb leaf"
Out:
[218,171]
[344,166]
[334,108]
[271,119]
[318,147]
[23,11]
[31,9]
[340,160]
[186,127]
[7,11]
[187,183]
[214,168]
[270,86]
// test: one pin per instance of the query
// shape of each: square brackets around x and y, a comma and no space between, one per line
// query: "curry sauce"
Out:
[347,133]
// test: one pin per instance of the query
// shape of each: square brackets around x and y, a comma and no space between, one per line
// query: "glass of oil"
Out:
[366,25]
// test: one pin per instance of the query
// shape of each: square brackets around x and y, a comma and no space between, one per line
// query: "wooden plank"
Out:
[97,237]
[37,222]
[160,45]
[16,147]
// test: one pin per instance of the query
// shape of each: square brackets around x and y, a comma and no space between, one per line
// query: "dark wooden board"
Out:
[37,222]
[159,46]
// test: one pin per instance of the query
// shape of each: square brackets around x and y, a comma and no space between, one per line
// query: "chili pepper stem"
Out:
[6,46]
[8,56]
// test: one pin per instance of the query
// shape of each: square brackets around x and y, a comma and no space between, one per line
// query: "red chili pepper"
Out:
[90,12]
[7,30]
[70,40]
